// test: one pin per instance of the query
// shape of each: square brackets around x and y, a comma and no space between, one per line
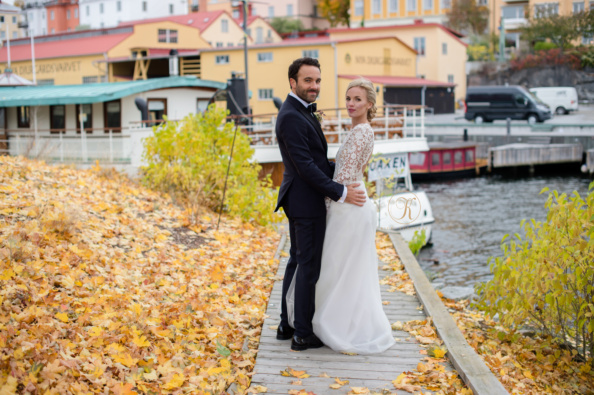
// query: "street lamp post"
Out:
[245,55]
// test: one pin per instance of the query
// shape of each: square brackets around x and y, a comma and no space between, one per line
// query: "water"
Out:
[473,215]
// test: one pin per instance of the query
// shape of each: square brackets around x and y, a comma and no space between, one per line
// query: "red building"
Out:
[62,16]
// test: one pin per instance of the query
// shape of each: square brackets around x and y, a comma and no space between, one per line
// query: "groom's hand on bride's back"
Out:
[355,196]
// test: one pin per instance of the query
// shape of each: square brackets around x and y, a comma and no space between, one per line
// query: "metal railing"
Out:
[124,145]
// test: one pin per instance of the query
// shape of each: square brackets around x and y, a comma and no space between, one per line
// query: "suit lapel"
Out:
[314,122]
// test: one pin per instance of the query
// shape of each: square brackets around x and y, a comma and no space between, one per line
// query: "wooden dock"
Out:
[589,162]
[375,372]
[520,154]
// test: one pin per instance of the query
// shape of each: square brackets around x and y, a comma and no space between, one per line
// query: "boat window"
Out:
[469,156]
[458,157]
[435,159]
[417,158]
[447,158]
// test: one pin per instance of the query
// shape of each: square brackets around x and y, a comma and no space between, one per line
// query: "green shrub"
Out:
[418,241]
[189,160]
[544,46]
[546,280]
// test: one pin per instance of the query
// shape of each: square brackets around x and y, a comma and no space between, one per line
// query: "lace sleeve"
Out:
[354,154]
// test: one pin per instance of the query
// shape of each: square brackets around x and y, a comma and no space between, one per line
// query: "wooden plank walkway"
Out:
[374,372]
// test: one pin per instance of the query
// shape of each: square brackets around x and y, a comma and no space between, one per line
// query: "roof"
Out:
[64,48]
[199,20]
[449,31]
[47,95]
[9,8]
[8,78]
[399,81]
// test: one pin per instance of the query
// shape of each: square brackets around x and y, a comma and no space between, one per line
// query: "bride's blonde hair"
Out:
[368,86]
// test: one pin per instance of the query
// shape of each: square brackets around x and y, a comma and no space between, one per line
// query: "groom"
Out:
[306,181]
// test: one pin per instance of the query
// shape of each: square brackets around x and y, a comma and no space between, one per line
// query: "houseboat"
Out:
[446,160]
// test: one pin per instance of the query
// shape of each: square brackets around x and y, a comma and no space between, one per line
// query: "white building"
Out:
[305,10]
[97,14]
[35,16]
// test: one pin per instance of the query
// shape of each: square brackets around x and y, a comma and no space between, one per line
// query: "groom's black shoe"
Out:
[284,332]
[303,343]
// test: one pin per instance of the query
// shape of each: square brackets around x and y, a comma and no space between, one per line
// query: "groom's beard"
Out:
[309,96]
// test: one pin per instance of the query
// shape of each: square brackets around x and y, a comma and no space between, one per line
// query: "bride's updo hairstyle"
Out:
[368,87]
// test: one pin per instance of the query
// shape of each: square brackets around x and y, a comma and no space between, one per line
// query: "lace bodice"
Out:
[354,154]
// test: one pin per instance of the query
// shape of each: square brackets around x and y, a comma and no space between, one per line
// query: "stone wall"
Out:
[582,80]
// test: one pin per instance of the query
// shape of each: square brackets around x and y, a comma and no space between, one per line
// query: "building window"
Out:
[419,45]
[235,14]
[376,7]
[289,9]
[315,11]
[259,35]
[49,81]
[67,14]
[411,5]
[112,111]
[451,78]
[225,26]
[512,12]
[222,59]
[93,79]
[271,11]
[444,48]
[167,36]
[546,9]
[311,53]
[119,5]
[483,2]
[157,109]
[101,8]
[446,4]
[58,119]
[14,18]
[15,34]
[23,116]
[219,44]
[171,9]
[427,4]
[359,7]
[578,7]
[30,16]
[230,44]
[87,117]
[53,30]
[265,94]
[201,105]
[144,6]
[88,10]
[52,15]
[392,6]
[265,57]
[76,12]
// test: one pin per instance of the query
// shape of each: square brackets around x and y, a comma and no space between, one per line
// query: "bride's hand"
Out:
[355,196]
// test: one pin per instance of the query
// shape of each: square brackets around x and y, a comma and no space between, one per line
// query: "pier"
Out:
[373,372]
[515,155]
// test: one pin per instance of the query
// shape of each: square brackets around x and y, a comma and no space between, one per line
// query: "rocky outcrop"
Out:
[582,80]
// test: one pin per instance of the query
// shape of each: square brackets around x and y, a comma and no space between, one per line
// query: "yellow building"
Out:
[441,52]
[387,61]
[371,13]
[516,14]
[133,50]
[10,18]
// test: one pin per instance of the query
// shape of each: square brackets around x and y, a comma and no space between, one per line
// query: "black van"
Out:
[487,103]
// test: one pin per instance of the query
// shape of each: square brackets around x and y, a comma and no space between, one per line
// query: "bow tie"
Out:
[313,107]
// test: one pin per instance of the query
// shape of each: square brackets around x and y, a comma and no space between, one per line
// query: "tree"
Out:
[561,30]
[19,3]
[335,11]
[466,16]
[286,25]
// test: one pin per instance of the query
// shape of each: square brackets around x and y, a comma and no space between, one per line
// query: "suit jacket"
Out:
[308,172]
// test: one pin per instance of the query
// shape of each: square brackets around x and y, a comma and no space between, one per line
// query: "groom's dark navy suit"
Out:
[307,179]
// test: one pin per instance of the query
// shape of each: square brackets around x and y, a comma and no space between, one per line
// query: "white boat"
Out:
[401,208]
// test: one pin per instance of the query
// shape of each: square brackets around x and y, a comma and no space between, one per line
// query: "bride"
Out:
[348,309]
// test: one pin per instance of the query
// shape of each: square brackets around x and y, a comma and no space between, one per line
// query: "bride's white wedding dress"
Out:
[349,316]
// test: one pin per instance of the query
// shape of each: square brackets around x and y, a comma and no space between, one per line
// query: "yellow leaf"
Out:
[335,386]
[62,317]
[399,379]
[258,389]
[152,376]
[528,375]
[125,359]
[136,308]
[340,382]
[7,274]
[421,367]
[359,390]
[95,331]
[176,381]
[141,341]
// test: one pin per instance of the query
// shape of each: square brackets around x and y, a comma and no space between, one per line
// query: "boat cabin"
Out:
[452,159]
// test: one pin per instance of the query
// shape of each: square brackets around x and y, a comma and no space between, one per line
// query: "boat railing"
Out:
[392,121]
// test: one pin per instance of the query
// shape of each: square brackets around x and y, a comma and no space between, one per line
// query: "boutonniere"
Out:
[319,116]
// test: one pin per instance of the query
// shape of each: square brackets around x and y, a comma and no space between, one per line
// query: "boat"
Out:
[401,208]
[395,140]
[446,160]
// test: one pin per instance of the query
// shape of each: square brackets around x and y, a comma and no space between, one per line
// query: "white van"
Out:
[560,99]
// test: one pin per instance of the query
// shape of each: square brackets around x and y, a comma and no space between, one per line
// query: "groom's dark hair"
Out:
[297,63]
